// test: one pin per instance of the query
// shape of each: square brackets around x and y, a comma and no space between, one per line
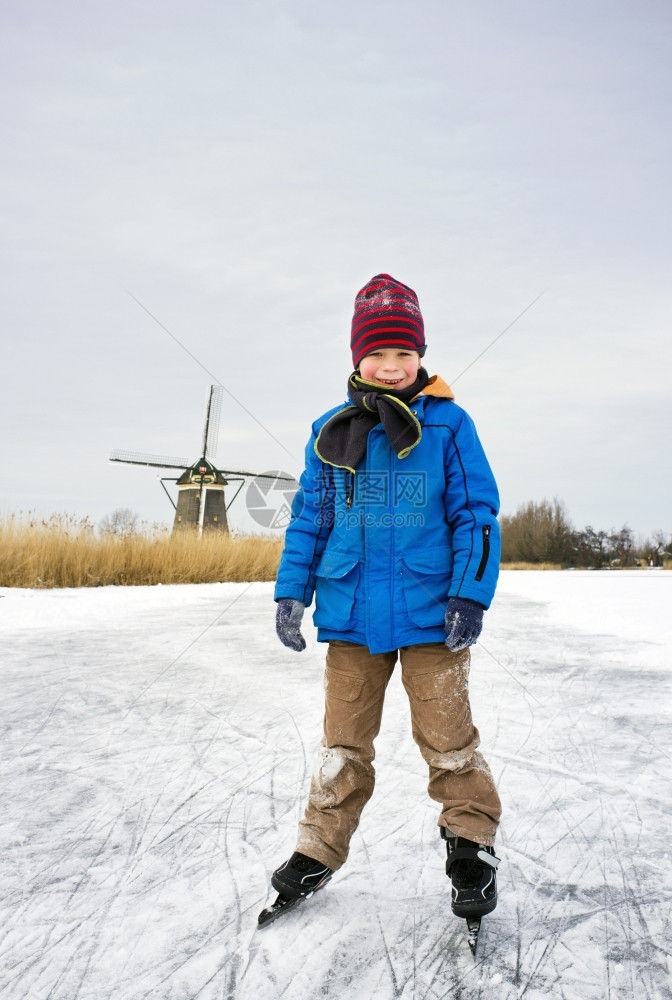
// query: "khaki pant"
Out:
[437,684]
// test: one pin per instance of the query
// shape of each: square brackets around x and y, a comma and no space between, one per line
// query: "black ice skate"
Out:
[300,876]
[295,880]
[472,870]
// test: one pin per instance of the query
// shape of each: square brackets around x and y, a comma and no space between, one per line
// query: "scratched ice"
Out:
[156,748]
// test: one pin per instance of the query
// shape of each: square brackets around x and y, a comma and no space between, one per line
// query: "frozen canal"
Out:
[156,747]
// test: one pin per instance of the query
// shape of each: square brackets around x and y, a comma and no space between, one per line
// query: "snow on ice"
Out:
[156,749]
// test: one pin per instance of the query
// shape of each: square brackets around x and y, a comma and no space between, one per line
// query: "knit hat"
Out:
[387,314]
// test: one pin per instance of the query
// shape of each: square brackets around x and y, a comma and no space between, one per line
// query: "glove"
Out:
[464,621]
[288,623]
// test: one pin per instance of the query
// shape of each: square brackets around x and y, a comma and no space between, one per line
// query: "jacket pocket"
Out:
[426,579]
[336,584]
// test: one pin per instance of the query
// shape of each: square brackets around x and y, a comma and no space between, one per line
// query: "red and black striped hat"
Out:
[387,314]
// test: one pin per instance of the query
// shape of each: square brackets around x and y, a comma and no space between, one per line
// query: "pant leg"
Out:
[437,683]
[355,683]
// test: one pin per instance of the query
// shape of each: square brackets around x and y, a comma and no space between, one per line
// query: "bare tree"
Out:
[621,543]
[537,532]
[121,523]
[656,548]
[591,547]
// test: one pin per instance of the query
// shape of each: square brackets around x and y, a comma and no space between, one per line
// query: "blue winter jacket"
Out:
[384,549]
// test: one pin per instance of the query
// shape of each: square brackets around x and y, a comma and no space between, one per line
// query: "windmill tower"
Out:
[201,502]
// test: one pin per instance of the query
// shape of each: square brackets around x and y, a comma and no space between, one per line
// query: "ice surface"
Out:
[156,749]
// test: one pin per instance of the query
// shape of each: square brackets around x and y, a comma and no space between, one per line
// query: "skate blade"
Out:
[281,905]
[473,930]
[284,903]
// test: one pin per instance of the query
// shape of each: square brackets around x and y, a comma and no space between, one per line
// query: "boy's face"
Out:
[391,367]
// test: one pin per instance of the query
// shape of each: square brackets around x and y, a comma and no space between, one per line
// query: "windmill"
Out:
[201,502]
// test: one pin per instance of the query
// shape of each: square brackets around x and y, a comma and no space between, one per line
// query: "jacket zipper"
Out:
[349,488]
[486,553]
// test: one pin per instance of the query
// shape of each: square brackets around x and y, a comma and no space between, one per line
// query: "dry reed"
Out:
[65,552]
[529,565]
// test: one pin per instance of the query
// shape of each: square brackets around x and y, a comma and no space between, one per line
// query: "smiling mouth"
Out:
[389,381]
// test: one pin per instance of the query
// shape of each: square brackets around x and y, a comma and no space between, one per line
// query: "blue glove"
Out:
[288,623]
[464,621]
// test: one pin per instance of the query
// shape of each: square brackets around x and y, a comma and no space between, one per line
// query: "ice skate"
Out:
[472,871]
[295,880]
[300,876]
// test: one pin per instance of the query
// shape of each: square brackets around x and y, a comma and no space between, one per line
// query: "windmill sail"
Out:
[212,418]
[157,461]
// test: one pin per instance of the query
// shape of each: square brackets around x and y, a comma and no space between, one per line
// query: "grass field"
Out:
[64,552]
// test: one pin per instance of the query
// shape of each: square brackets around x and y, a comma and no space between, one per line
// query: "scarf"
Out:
[342,439]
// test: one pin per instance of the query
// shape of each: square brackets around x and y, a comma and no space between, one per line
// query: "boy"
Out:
[394,532]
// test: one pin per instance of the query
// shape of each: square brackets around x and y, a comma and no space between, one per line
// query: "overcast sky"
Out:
[241,169]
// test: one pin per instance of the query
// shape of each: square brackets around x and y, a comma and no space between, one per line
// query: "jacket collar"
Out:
[437,387]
